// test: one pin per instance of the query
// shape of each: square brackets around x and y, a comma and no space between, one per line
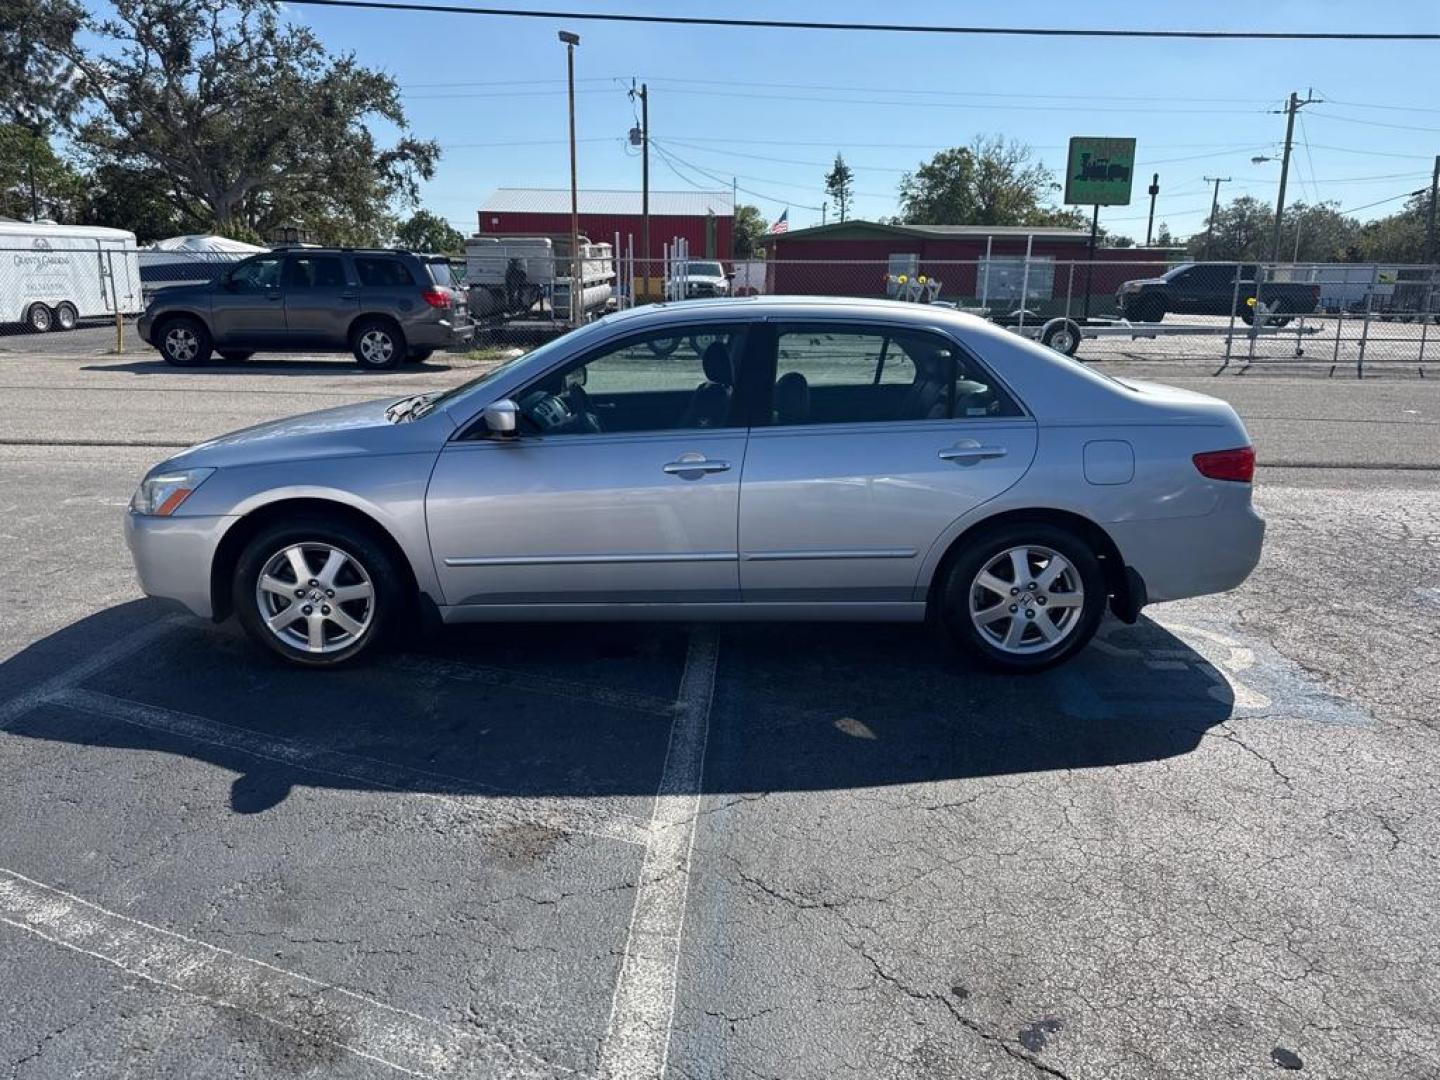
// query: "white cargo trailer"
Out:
[51,276]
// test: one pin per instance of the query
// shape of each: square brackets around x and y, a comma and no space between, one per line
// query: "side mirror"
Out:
[500,417]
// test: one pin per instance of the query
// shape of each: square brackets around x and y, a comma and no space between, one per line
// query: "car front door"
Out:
[878,438]
[621,487]
[247,304]
[320,303]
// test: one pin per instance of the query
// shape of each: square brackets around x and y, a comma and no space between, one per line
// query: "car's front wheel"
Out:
[1023,597]
[316,592]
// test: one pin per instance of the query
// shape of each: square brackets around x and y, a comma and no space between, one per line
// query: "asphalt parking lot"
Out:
[1204,849]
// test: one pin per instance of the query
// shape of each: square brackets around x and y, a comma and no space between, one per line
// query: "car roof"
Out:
[789,307]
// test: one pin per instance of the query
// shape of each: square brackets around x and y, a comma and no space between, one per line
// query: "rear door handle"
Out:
[349,296]
[693,467]
[968,455]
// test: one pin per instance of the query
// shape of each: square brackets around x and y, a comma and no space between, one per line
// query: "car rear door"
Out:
[320,299]
[876,438]
[635,502]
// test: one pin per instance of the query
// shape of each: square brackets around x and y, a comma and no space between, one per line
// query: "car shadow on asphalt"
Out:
[341,364]
[585,711]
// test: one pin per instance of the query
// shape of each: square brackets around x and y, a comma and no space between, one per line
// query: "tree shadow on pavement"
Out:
[586,711]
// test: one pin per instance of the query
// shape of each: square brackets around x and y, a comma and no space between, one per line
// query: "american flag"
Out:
[782,223]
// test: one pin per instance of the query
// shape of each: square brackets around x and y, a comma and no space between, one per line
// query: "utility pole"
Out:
[644,142]
[734,197]
[1154,190]
[1430,226]
[823,206]
[1291,108]
[577,272]
[1214,209]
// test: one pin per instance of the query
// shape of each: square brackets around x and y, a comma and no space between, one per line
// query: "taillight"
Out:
[436,298]
[1237,464]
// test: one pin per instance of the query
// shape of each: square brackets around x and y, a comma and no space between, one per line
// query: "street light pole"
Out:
[577,285]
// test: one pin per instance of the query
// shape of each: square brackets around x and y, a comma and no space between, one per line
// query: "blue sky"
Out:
[772,107]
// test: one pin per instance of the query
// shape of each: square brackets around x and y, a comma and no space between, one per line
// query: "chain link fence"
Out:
[1136,308]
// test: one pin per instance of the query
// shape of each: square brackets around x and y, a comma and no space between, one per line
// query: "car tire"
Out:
[267,584]
[235,356]
[977,612]
[66,316]
[378,344]
[1146,309]
[419,356]
[39,319]
[184,342]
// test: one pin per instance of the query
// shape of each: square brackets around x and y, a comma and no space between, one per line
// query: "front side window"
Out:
[257,274]
[382,273]
[669,381]
[847,375]
[314,272]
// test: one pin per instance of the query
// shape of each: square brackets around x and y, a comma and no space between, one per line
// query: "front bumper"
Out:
[173,556]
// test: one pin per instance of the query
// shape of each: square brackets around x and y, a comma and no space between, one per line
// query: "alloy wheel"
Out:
[315,597]
[376,346]
[1026,600]
[181,344]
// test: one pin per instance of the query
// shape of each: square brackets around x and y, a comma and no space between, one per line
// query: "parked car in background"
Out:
[792,458]
[52,276]
[385,306]
[1209,289]
[697,279]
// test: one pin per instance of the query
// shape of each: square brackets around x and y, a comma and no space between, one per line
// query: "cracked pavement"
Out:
[1203,849]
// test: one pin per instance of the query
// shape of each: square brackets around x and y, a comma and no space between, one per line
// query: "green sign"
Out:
[1099,171]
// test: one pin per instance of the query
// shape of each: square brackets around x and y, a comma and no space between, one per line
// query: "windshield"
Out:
[704,269]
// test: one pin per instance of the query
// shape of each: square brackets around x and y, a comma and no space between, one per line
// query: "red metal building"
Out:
[852,258]
[706,219]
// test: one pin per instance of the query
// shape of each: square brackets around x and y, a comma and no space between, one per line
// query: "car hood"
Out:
[1142,281]
[346,430]
[707,279]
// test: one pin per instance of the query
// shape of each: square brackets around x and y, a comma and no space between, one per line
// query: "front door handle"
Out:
[970,453]
[349,296]
[692,466]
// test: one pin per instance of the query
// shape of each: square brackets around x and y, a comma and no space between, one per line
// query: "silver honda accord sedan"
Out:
[759,458]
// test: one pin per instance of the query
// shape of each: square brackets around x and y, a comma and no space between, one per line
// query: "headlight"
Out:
[161,493]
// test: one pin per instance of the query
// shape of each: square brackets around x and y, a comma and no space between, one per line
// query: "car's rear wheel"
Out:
[1022,597]
[378,344]
[66,316]
[316,592]
[235,356]
[39,318]
[185,342]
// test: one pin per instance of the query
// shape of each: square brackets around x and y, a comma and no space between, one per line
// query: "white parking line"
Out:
[497,808]
[461,671]
[96,662]
[637,1039]
[404,1041]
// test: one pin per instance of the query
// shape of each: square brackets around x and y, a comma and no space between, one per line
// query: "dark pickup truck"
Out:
[1209,289]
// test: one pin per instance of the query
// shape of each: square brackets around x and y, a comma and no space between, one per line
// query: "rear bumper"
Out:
[1192,556]
[173,556]
[440,334]
[142,327]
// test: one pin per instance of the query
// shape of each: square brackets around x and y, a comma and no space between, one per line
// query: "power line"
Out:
[730,94]
[1372,123]
[889,28]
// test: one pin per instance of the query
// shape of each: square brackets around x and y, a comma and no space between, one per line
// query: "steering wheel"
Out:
[584,412]
[548,412]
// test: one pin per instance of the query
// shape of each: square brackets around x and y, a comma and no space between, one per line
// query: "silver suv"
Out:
[385,306]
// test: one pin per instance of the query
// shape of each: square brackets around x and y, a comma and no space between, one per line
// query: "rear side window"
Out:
[314,272]
[382,273]
[846,375]
[440,273]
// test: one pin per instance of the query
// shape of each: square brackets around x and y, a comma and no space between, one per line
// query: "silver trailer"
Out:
[530,276]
